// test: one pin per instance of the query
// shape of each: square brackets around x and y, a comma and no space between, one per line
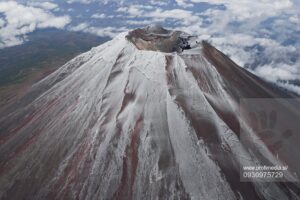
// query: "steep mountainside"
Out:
[152,114]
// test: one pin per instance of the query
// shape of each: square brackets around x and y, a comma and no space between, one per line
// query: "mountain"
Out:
[151,114]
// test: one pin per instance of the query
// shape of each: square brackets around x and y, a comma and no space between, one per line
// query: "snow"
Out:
[87,113]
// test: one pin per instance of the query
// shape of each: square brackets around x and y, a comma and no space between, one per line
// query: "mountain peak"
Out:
[156,38]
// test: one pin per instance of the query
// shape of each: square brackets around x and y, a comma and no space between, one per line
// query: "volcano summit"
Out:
[151,114]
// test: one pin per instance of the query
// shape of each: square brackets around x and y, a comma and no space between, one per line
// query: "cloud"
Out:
[159,2]
[91,1]
[99,16]
[122,9]
[80,1]
[135,11]
[21,20]
[144,22]
[291,87]
[280,74]
[79,27]
[2,22]
[174,14]
[184,3]
[246,9]
[152,15]
[294,19]
[45,5]
[105,31]
[100,31]
[275,73]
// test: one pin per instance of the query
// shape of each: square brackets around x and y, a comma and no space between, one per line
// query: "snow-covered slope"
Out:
[123,122]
